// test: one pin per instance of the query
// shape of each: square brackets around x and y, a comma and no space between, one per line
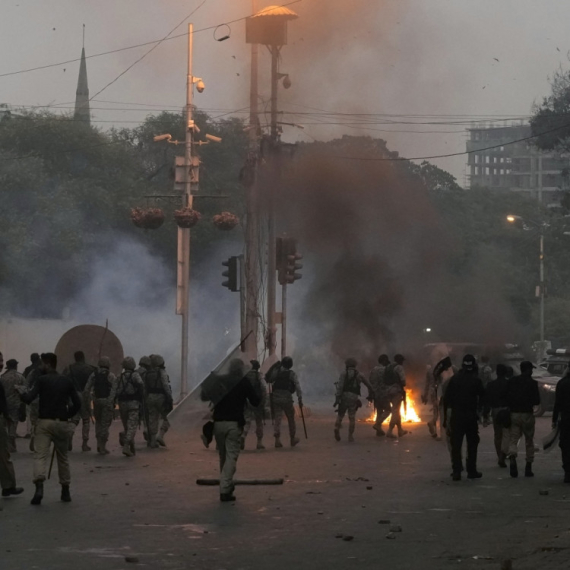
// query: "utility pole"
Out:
[269,27]
[252,241]
[190,184]
[276,170]
[542,293]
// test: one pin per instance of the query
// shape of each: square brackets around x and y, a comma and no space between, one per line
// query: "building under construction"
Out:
[497,162]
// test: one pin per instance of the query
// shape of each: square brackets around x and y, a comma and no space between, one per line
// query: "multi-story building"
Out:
[501,159]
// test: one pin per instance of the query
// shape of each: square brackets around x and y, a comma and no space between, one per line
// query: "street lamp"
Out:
[521,223]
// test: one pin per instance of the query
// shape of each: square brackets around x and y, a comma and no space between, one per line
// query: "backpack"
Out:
[101,385]
[351,383]
[391,376]
[126,389]
[284,381]
[153,382]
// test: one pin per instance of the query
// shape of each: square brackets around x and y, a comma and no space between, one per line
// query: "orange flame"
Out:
[409,415]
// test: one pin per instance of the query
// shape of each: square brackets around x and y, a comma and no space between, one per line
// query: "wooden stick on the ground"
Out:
[215,482]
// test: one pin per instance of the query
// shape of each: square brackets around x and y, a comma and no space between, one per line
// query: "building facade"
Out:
[501,159]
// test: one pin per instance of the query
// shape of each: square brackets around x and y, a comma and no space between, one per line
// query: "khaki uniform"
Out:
[59,432]
[348,398]
[522,424]
[101,388]
[130,389]
[381,400]
[33,408]
[228,441]
[257,414]
[158,400]
[80,372]
[283,399]
[10,379]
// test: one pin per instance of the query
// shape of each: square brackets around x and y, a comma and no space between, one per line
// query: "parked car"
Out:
[556,361]
[546,386]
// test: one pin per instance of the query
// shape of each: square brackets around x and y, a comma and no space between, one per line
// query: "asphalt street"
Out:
[375,503]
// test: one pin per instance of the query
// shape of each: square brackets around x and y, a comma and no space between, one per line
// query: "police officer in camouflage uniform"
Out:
[130,390]
[381,399]
[395,384]
[79,373]
[256,413]
[101,388]
[348,397]
[10,379]
[158,399]
[284,384]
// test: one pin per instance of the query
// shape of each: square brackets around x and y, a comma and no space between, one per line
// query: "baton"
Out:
[51,462]
[303,418]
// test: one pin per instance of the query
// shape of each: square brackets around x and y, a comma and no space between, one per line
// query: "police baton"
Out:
[303,418]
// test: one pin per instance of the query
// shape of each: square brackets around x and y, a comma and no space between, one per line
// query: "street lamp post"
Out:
[522,223]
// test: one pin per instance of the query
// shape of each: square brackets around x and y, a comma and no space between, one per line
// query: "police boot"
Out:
[85,446]
[12,491]
[402,432]
[474,474]
[391,433]
[152,443]
[38,495]
[528,470]
[456,476]
[278,441]
[65,496]
[122,438]
[502,462]
[514,470]
[337,434]
[260,443]
[294,441]
[379,431]
[160,440]
[127,450]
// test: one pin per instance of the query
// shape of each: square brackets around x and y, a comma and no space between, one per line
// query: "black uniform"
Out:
[562,413]
[464,396]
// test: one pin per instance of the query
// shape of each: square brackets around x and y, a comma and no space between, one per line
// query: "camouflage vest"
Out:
[351,383]
[153,382]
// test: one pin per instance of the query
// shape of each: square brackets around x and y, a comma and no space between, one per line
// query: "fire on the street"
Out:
[409,415]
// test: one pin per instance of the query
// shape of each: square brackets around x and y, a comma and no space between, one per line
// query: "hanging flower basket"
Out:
[225,221]
[187,217]
[147,218]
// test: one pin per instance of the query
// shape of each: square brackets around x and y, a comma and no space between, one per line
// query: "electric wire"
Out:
[40,67]
[149,51]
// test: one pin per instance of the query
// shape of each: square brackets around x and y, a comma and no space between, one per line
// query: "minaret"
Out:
[82,112]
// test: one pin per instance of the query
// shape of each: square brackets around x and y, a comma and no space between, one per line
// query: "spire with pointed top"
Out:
[82,111]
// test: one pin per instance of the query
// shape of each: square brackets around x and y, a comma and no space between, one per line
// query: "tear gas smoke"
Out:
[379,256]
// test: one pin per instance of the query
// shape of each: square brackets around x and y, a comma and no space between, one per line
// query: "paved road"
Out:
[150,508]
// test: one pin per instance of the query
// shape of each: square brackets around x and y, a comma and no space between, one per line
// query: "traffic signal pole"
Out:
[284,321]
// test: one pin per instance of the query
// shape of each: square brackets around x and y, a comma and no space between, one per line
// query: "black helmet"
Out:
[350,363]
[384,360]
[287,362]
[469,362]
[399,359]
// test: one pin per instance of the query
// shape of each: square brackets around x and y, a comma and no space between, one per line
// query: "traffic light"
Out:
[287,260]
[232,273]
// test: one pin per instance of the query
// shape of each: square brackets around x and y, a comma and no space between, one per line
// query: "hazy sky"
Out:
[392,57]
